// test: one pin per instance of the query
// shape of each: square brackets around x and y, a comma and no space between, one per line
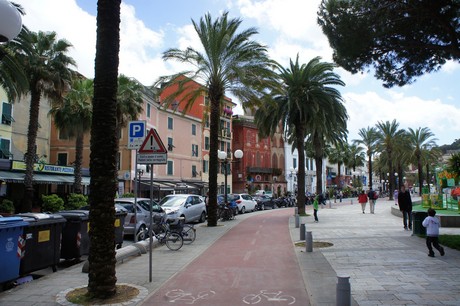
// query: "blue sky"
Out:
[287,27]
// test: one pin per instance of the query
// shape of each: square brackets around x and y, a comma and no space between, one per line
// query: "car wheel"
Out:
[243,210]
[202,217]
[141,233]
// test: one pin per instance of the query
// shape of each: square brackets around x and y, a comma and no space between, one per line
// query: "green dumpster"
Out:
[417,219]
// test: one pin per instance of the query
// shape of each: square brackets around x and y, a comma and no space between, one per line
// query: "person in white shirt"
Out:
[432,233]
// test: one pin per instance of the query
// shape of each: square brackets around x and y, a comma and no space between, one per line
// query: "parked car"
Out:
[191,207]
[142,213]
[244,202]
[264,202]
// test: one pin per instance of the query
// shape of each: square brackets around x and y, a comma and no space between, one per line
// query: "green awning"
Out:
[18,177]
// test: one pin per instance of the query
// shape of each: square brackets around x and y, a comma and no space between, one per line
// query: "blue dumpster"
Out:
[10,231]
[42,237]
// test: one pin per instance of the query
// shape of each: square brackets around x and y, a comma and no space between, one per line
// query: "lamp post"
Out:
[226,161]
[396,180]
[382,185]
[10,21]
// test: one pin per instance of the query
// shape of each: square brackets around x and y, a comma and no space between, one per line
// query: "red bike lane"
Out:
[254,263]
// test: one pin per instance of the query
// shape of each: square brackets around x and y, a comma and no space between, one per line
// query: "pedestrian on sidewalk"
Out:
[432,233]
[372,195]
[405,206]
[362,199]
[315,208]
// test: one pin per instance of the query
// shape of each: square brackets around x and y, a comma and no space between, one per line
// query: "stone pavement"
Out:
[385,263]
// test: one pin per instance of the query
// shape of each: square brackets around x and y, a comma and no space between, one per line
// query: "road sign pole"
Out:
[135,197]
[151,223]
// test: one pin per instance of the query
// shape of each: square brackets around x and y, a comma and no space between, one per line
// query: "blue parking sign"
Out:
[136,134]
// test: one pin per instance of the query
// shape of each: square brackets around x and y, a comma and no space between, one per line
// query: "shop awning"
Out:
[18,177]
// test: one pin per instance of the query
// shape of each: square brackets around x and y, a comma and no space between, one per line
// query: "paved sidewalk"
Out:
[385,263]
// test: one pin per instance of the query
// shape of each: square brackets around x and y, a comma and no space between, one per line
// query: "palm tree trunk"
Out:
[77,165]
[104,147]
[420,175]
[301,171]
[215,96]
[31,150]
[370,170]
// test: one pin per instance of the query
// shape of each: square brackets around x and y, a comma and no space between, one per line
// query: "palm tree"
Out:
[387,138]
[305,103]
[337,155]
[368,139]
[73,118]
[231,61]
[104,147]
[129,100]
[46,65]
[420,140]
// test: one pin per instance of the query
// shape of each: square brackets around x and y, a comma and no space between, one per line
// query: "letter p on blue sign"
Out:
[136,133]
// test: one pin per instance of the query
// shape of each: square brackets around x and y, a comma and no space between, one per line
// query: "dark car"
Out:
[264,202]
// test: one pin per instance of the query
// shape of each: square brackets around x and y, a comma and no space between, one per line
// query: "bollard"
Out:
[343,297]
[296,211]
[309,242]
[297,220]
[302,231]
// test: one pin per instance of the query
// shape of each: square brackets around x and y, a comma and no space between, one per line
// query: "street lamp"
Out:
[10,21]
[383,185]
[222,155]
[293,172]
[396,180]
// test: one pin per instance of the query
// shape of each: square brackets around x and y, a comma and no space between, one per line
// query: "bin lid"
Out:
[82,215]
[8,222]
[41,218]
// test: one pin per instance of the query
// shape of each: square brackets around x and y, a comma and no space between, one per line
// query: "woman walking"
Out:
[362,199]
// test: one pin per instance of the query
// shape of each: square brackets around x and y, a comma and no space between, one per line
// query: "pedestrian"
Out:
[315,208]
[405,206]
[432,233]
[372,195]
[340,195]
[395,196]
[362,199]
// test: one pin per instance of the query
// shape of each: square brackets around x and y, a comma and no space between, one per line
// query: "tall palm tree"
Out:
[46,65]
[420,139]
[230,61]
[368,139]
[73,118]
[337,155]
[305,103]
[129,100]
[104,147]
[388,136]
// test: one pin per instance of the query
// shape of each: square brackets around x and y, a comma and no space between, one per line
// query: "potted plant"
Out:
[52,203]
[6,207]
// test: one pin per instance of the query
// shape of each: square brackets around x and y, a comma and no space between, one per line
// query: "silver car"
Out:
[191,207]
[142,213]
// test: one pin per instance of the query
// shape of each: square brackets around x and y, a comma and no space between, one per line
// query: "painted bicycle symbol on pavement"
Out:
[252,299]
[179,295]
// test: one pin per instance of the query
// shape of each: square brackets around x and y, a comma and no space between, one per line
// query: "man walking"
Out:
[405,206]
[372,195]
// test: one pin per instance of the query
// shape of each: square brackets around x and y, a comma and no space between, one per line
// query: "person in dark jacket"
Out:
[405,206]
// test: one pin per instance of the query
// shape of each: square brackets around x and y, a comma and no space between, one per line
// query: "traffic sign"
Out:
[152,150]
[136,134]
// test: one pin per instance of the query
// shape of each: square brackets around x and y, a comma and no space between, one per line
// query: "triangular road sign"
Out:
[152,144]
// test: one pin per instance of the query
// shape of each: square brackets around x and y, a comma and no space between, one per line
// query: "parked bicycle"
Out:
[162,232]
[187,231]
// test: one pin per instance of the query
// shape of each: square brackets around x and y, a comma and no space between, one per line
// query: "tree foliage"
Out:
[401,40]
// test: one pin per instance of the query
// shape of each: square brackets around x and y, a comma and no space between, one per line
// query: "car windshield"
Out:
[172,201]
[127,206]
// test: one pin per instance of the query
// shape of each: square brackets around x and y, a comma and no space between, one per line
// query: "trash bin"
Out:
[10,232]
[417,219]
[120,215]
[42,242]
[75,238]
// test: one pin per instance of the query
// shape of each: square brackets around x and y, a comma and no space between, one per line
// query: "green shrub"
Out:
[76,201]
[128,195]
[7,206]
[52,203]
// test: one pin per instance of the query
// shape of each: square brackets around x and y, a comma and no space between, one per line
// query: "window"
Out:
[206,119]
[5,149]
[170,168]
[170,123]
[206,143]
[193,129]
[194,150]
[149,109]
[170,144]
[6,114]
[205,166]
[294,163]
[62,159]
[194,173]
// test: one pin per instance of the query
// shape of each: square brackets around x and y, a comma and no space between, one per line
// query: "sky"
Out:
[287,27]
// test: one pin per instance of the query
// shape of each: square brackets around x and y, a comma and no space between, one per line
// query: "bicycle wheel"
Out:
[188,234]
[174,241]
